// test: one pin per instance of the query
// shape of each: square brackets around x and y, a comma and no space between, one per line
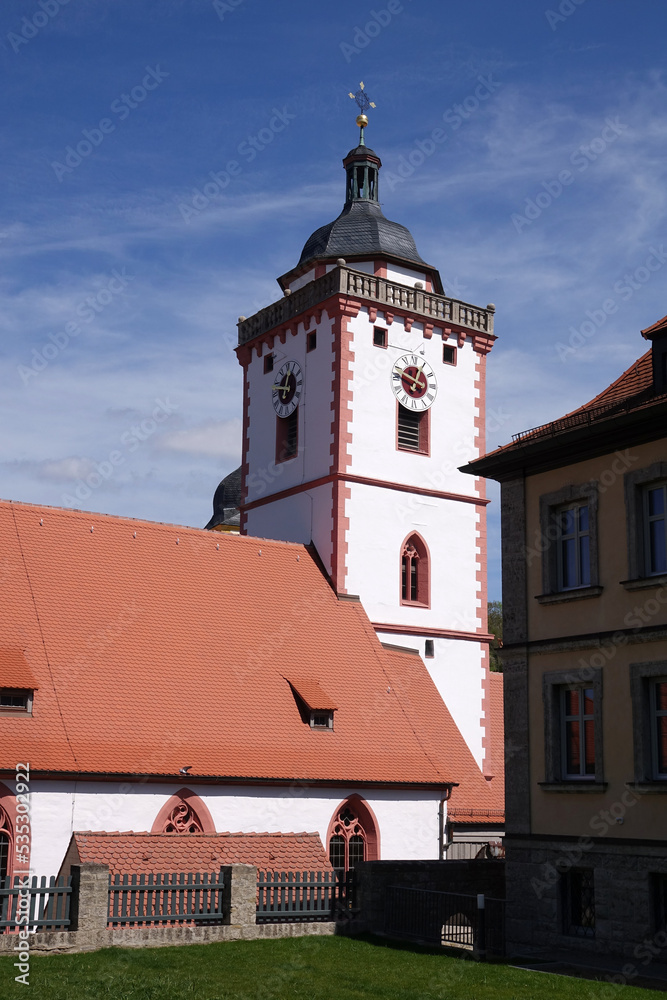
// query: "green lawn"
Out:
[330,968]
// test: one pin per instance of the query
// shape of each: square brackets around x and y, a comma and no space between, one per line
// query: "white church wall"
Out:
[312,461]
[380,519]
[374,408]
[407,820]
[302,517]
[404,275]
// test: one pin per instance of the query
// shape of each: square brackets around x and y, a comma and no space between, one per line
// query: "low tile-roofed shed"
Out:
[132,853]
[155,647]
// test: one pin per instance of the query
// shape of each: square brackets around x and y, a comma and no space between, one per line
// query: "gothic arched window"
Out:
[184,812]
[352,835]
[5,844]
[415,572]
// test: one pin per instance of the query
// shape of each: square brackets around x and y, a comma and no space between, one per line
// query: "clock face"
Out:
[413,381]
[286,389]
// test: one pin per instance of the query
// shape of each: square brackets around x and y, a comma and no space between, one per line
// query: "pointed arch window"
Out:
[353,835]
[184,812]
[5,844]
[415,572]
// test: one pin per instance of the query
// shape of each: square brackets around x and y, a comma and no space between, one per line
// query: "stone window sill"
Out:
[644,583]
[573,786]
[659,786]
[561,596]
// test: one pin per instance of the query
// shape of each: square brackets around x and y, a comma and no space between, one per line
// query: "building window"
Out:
[573,728]
[5,844]
[646,505]
[379,336]
[311,341]
[413,429]
[574,554]
[579,902]
[578,732]
[648,686]
[568,539]
[448,354]
[655,538]
[414,572]
[353,834]
[15,700]
[287,436]
[321,719]
[429,649]
[182,819]
[268,363]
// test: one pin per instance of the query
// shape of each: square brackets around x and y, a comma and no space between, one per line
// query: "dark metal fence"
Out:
[284,897]
[159,900]
[35,903]
[448,919]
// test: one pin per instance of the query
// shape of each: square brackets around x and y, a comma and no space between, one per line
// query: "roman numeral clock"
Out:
[414,382]
[286,389]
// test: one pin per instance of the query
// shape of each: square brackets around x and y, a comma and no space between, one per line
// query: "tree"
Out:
[495,618]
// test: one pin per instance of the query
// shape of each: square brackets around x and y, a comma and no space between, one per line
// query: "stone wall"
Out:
[625,923]
[373,878]
[89,919]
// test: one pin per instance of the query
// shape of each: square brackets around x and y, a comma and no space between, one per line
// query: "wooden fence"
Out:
[296,896]
[35,903]
[165,900]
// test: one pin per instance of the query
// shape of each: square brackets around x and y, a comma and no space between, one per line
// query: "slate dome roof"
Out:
[361,228]
[227,500]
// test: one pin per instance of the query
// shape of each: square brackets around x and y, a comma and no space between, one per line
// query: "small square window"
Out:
[448,354]
[15,700]
[429,649]
[379,336]
[311,341]
[268,363]
[321,720]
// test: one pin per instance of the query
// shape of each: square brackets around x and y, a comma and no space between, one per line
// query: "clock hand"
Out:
[415,381]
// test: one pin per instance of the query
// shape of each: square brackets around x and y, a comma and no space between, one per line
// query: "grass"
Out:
[326,968]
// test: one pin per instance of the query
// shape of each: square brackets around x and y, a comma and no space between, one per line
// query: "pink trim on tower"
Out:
[365,481]
[481,575]
[431,633]
[342,438]
[244,354]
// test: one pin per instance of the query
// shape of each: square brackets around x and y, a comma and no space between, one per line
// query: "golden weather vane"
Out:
[361,97]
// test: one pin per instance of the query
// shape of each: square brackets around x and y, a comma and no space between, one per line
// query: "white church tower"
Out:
[364,390]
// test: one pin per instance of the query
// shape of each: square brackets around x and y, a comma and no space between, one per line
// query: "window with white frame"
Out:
[574,552]
[578,732]
[655,537]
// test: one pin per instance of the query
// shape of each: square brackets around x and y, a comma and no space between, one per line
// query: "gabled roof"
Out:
[431,721]
[658,327]
[156,647]
[132,853]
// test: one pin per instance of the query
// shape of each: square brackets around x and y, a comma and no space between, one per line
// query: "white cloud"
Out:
[221,440]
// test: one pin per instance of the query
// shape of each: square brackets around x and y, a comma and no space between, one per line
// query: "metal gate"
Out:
[447,919]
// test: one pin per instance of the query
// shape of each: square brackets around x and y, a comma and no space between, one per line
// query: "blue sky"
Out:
[119,295]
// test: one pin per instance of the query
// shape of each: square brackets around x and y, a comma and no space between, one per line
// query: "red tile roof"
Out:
[433,725]
[156,647]
[311,693]
[15,672]
[144,853]
[656,328]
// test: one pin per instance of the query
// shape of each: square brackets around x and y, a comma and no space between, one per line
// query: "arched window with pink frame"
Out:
[415,572]
[184,812]
[353,834]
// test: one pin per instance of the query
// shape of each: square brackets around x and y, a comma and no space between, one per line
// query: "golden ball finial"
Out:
[362,121]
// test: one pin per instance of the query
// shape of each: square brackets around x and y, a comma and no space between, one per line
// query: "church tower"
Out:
[364,390]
